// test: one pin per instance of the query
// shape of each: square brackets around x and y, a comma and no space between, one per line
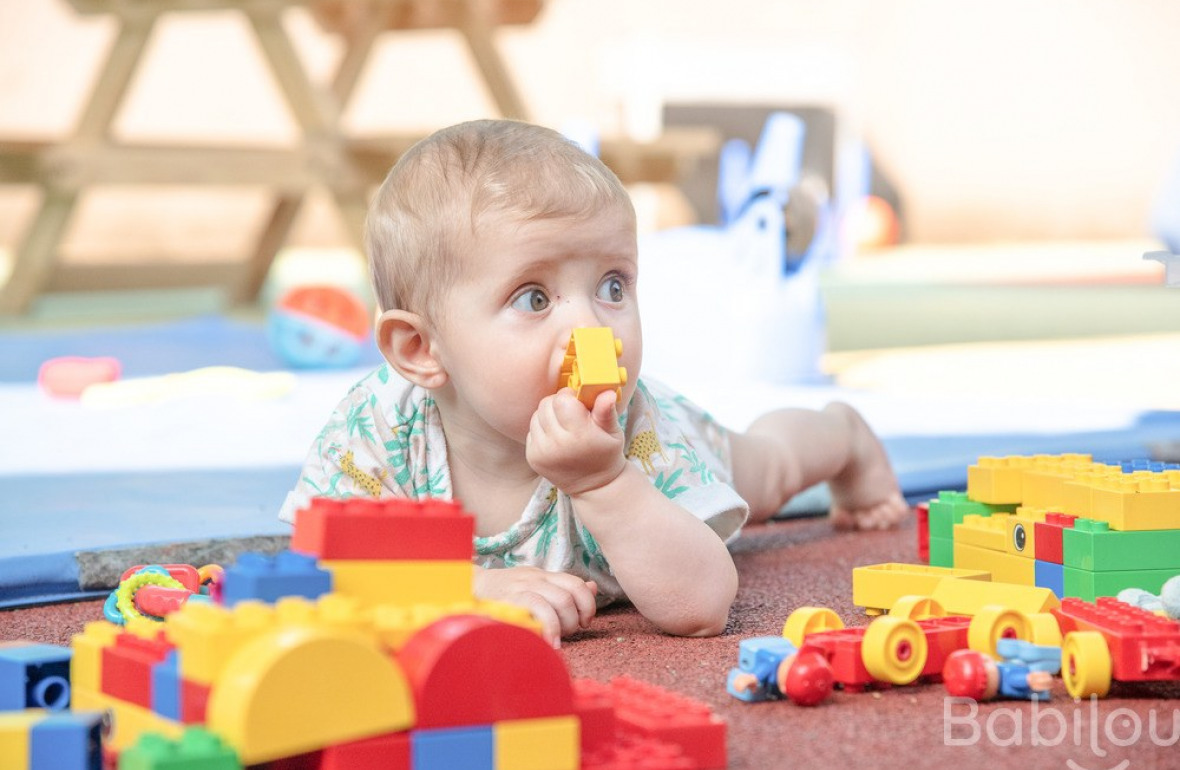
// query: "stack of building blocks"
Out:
[390,552]
[365,676]
[1062,522]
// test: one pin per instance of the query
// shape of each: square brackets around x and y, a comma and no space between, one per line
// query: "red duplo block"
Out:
[1047,541]
[842,647]
[127,667]
[384,752]
[1143,646]
[194,699]
[595,707]
[922,511]
[515,673]
[632,752]
[654,712]
[383,529]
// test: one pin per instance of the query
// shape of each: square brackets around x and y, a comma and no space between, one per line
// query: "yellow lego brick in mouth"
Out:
[591,364]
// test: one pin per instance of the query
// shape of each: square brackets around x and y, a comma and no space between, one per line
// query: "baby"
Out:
[489,242]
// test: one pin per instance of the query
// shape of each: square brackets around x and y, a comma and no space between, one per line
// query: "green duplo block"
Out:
[1094,546]
[197,749]
[1090,585]
[942,552]
[950,508]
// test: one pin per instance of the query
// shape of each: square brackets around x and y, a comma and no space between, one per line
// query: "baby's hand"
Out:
[576,449]
[562,603]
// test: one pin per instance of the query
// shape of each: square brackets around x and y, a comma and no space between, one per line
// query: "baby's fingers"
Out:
[544,614]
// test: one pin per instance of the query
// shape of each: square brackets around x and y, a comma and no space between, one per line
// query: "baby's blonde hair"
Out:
[428,210]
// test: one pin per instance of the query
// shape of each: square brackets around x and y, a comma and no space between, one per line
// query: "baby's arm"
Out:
[562,603]
[675,570]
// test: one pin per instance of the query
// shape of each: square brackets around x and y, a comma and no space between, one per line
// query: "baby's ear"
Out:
[404,339]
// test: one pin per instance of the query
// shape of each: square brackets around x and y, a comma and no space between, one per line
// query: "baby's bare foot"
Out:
[865,495]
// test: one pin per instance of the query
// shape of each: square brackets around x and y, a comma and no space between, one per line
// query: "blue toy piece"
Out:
[1021,658]
[268,579]
[471,748]
[759,657]
[306,343]
[166,696]
[34,676]
[66,741]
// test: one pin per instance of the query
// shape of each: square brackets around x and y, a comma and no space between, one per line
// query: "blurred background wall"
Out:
[996,120]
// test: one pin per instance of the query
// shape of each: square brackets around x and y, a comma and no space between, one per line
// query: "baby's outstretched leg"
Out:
[865,494]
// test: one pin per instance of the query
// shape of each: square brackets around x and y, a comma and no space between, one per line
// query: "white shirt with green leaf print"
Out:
[385,439]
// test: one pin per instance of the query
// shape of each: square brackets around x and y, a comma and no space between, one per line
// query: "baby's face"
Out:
[506,321]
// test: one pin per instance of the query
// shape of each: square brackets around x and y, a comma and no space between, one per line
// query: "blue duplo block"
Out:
[268,579]
[34,676]
[166,686]
[1046,574]
[471,748]
[67,741]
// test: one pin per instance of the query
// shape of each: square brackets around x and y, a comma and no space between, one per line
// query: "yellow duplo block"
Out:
[394,624]
[552,743]
[300,688]
[15,751]
[128,721]
[347,612]
[591,365]
[208,634]
[878,586]
[1044,482]
[1021,532]
[406,583]
[967,597]
[1137,504]
[998,480]
[1005,568]
[86,659]
[1079,494]
[983,531]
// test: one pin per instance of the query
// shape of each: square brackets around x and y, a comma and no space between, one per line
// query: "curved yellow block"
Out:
[300,688]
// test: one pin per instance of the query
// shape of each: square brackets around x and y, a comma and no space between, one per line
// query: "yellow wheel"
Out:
[894,650]
[809,620]
[994,622]
[1045,629]
[917,608]
[1085,664]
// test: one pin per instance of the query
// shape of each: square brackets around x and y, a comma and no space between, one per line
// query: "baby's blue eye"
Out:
[531,301]
[611,289]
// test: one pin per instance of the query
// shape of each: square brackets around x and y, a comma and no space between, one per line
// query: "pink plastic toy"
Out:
[68,376]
